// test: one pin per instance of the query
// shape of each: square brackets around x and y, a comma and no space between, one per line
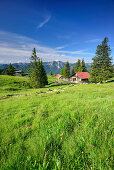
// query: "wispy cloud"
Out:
[14,48]
[75,52]
[94,40]
[46,20]
[59,48]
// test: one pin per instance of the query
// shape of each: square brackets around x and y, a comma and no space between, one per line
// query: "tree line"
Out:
[101,69]
[79,67]
[37,73]
[8,71]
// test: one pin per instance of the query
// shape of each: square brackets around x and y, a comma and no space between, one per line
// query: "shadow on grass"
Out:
[110,81]
[13,89]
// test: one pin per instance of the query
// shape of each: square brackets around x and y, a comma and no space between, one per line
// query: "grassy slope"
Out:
[20,85]
[55,130]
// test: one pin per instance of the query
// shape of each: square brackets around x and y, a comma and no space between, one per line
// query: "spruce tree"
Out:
[11,70]
[79,67]
[67,70]
[38,76]
[73,70]
[62,72]
[102,65]
[43,75]
[34,69]
[83,66]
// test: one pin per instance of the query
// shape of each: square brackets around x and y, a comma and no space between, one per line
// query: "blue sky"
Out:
[59,29]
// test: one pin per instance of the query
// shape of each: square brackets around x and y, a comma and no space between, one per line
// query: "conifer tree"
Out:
[102,65]
[62,72]
[38,76]
[67,70]
[79,67]
[73,70]
[11,70]
[34,75]
[43,75]
[83,66]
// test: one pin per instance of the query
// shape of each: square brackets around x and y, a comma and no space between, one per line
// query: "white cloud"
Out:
[14,52]
[44,22]
[75,52]
[93,40]
[15,48]
[59,48]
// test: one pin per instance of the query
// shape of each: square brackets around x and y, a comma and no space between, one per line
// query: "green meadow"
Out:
[69,128]
[10,85]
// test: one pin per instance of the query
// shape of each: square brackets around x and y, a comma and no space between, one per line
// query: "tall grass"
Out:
[12,85]
[68,130]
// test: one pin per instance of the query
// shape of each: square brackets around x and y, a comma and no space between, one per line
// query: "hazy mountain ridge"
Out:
[54,66]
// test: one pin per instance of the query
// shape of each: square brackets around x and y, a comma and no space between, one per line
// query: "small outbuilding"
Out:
[80,76]
[58,76]
[18,73]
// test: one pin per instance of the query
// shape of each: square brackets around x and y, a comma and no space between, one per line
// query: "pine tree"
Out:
[62,72]
[11,70]
[79,67]
[34,75]
[44,80]
[38,76]
[73,70]
[83,66]
[67,70]
[102,65]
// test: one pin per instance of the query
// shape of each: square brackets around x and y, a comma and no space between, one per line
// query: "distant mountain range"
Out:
[54,66]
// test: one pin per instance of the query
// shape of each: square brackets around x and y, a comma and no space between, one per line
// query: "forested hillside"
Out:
[54,66]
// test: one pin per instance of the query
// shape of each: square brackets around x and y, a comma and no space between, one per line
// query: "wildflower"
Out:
[82,152]
[92,145]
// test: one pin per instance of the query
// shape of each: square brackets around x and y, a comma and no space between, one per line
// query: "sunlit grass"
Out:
[72,129]
[12,85]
